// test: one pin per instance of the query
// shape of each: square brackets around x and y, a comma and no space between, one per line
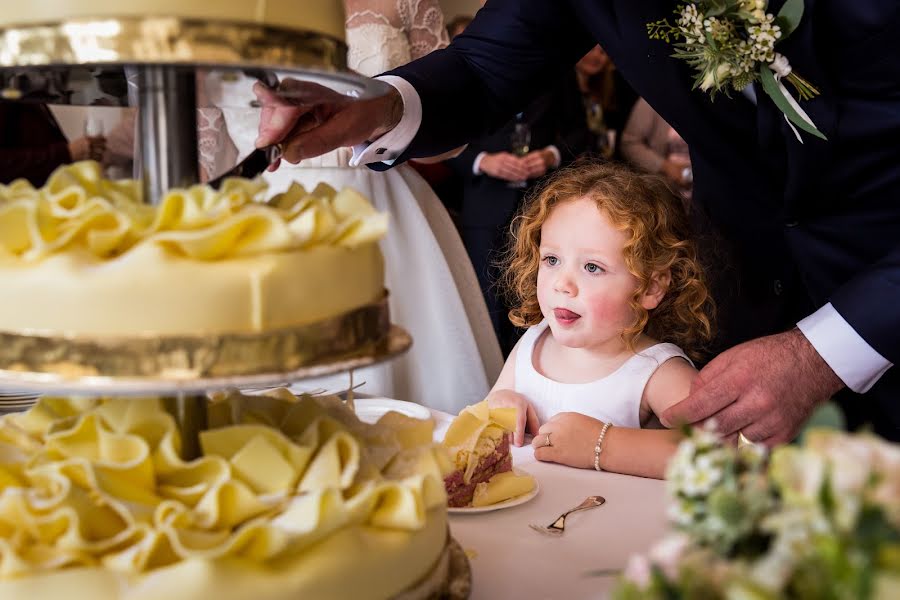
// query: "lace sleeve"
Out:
[423,22]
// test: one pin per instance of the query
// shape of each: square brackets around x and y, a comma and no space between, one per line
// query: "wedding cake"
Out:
[291,498]
[82,256]
[322,16]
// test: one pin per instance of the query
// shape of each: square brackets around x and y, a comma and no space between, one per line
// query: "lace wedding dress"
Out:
[434,293]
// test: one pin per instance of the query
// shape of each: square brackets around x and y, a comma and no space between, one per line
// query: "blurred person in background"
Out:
[32,145]
[652,145]
[607,99]
[500,169]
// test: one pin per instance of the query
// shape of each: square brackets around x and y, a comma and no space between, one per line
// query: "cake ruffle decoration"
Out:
[77,208]
[88,483]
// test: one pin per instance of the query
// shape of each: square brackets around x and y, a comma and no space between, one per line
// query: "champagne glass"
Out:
[93,129]
[520,144]
[92,126]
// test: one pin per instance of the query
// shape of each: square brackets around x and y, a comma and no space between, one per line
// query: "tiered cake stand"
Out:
[153,63]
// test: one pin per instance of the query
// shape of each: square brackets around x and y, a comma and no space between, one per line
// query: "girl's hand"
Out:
[526,418]
[572,438]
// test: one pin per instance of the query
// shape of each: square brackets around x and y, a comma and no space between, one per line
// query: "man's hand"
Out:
[526,418]
[308,119]
[673,169]
[765,388]
[87,148]
[539,162]
[505,166]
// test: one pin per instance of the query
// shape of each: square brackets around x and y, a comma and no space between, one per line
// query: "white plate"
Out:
[369,410]
[467,510]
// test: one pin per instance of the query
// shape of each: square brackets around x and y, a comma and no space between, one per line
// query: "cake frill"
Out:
[291,498]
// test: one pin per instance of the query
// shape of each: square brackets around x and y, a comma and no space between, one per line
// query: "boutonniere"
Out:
[731,43]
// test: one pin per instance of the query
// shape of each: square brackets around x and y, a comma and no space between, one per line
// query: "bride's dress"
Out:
[434,293]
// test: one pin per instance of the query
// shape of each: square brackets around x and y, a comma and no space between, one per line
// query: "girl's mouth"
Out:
[565,316]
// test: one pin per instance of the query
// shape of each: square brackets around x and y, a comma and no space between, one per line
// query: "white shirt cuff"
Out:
[476,164]
[392,144]
[556,153]
[852,358]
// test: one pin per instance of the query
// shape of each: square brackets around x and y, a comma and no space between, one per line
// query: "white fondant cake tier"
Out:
[82,257]
[150,291]
[290,498]
[323,16]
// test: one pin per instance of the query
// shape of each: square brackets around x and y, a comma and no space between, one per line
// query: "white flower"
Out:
[798,473]
[667,553]
[681,512]
[637,570]
[714,78]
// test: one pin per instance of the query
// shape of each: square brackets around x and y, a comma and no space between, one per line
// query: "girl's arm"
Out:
[641,452]
[503,394]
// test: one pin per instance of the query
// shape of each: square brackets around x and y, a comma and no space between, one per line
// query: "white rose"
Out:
[667,553]
[637,571]
[713,78]
[798,473]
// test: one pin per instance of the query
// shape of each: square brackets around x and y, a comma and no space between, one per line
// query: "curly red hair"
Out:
[659,241]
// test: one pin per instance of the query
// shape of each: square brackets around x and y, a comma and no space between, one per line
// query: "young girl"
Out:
[606,278]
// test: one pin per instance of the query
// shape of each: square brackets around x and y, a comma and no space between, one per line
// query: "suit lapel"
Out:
[805,161]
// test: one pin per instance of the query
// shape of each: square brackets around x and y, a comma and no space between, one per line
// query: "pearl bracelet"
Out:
[599,447]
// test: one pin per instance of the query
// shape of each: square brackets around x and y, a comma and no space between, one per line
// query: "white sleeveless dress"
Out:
[615,398]
[434,293]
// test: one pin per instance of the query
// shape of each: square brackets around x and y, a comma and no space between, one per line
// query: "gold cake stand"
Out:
[157,63]
[100,60]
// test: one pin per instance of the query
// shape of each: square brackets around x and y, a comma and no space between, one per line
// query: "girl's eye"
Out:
[551,260]
[593,268]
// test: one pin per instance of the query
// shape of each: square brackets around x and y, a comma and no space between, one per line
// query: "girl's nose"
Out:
[565,284]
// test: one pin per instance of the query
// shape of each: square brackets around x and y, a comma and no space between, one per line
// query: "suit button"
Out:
[777,287]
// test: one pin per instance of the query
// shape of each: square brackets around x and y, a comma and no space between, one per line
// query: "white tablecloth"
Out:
[509,560]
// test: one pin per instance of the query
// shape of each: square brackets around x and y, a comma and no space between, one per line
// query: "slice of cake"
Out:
[478,444]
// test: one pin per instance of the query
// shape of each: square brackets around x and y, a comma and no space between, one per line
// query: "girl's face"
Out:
[584,288]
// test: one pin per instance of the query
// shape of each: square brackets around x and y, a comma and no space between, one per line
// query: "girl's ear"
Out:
[656,291]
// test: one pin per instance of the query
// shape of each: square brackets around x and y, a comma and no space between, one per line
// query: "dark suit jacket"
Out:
[804,223]
[31,143]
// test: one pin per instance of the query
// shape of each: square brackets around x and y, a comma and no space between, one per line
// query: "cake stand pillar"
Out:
[167,102]
[190,414]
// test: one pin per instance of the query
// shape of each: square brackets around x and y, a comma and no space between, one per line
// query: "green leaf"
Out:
[716,8]
[770,87]
[789,16]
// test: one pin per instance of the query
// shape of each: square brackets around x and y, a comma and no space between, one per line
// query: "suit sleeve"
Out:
[503,60]
[869,301]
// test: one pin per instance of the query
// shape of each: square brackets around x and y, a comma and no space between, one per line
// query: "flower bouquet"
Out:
[817,521]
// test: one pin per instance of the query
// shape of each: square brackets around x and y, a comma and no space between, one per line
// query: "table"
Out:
[509,560]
